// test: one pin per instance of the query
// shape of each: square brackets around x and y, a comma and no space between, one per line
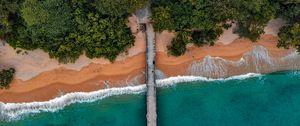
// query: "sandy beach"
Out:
[232,52]
[51,79]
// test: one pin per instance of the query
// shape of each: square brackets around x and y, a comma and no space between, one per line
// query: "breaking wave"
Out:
[253,61]
[258,60]
[14,111]
[179,79]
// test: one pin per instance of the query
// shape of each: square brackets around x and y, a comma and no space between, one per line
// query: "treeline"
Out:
[6,76]
[202,21]
[68,28]
[290,34]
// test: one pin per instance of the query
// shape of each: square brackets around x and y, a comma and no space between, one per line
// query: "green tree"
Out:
[65,29]
[206,19]
[119,7]
[178,44]
[162,19]
[50,18]
[8,10]
[6,77]
[288,10]
[290,36]
[34,12]
[202,20]
[252,16]
[101,34]
[45,25]
[203,37]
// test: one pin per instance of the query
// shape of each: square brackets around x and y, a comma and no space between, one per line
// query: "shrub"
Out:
[6,77]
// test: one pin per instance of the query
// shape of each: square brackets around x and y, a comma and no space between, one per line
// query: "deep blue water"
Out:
[268,100]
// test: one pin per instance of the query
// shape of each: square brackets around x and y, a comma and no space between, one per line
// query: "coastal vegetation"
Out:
[8,9]
[201,22]
[195,19]
[289,35]
[6,76]
[65,29]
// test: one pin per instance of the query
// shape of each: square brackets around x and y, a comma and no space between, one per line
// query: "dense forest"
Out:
[68,28]
[201,22]
[290,34]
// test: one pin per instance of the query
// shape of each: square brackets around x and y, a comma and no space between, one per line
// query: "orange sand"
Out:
[52,83]
[173,66]
[47,85]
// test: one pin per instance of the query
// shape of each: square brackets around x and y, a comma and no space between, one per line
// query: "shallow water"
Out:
[267,100]
[125,110]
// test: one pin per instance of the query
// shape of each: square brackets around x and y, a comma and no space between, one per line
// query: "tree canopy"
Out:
[101,35]
[8,9]
[206,19]
[65,29]
[289,35]
[118,7]
[177,47]
[252,17]
[68,28]
[6,76]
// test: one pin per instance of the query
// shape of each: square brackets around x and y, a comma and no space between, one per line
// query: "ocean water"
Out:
[266,100]
[124,110]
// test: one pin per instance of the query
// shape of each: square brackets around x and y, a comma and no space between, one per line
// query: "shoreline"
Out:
[61,80]
[40,78]
[13,111]
[223,55]
[130,71]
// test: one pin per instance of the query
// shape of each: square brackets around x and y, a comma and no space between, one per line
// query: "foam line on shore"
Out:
[179,79]
[13,111]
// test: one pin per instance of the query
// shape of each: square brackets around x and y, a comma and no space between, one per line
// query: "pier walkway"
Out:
[143,19]
[150,77]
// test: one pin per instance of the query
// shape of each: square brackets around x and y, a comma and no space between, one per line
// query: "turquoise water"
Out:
[125,110]
[268,100]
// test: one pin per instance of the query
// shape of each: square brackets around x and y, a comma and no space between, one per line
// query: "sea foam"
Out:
[257,60]
[13,111]
[179,79]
